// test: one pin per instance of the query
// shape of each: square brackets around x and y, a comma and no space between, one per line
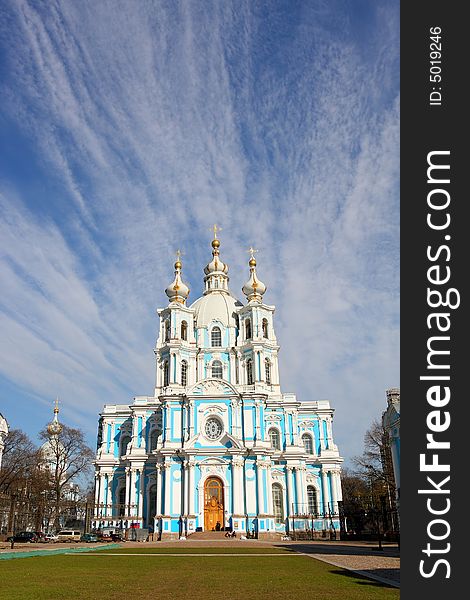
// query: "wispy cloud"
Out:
[150,121]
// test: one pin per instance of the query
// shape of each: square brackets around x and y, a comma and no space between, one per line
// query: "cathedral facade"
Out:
[218,445]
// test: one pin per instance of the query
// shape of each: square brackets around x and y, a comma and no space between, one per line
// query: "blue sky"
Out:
[128,128]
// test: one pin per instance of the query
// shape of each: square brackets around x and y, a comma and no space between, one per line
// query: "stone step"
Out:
[207,535]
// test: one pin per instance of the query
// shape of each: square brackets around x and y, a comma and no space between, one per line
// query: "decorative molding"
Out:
[212,387]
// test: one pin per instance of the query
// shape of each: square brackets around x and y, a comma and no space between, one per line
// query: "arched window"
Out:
[217,369]
[167,330]
[184,373]
[125,440]
[216,337]
[154,439]
[267,371]
[184,330]
[265,328]
[274,438]
[248,329]
[278,503]
[122,501]
[249,371]
[312,500]
[307,443]
[166,373]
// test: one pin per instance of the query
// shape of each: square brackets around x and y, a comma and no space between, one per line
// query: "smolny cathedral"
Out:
[218,445]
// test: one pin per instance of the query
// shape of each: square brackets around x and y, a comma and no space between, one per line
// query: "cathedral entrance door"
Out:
[213,504]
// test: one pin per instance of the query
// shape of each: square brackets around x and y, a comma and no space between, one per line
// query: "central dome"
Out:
[216,306]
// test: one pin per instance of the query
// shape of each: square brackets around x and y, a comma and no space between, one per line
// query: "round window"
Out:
[213,428]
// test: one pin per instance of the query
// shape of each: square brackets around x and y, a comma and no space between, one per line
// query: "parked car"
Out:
[41,537]
[23,537]
[51,538]
[104,537]
[89,537]
[69,535]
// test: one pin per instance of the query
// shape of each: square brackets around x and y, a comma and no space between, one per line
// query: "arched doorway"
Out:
[213,504]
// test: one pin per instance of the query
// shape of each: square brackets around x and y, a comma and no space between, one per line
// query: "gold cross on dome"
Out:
[215,229]
[179,254]
[56,405]
[252,251]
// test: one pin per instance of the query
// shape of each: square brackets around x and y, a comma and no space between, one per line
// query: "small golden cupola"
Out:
[253,288]
[177,291]
[216,278]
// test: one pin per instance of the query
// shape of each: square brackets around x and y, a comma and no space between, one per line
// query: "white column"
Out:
[191,464]
[166,410]
[259,482]
[295,427]
[167,507]
[140,502]
[237,486]
[97,488]
[325,490]
[258,421]
[238,413]
[132,503]
[135,430]
[289,490]
[286,429]
[113,434]
[102,488]
[269,485]
[127,508]
[191,418]
[335,491]
[298,489]
[109,502]
[275,370]
[104,437]
[329,433]
[159,491]
[322,439]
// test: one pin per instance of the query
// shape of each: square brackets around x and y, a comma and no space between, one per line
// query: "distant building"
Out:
[3,434]
[391,424]
[218,445]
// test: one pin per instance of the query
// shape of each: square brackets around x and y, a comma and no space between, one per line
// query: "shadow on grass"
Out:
[341,549]
[364,580]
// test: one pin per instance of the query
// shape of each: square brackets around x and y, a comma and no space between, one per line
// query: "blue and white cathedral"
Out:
[218,445]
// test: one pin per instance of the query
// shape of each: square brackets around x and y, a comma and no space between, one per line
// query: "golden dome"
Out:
[177,291]
[253,288]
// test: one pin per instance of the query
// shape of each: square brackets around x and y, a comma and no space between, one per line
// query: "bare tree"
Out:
[375,468]
[65,455]
[19,457]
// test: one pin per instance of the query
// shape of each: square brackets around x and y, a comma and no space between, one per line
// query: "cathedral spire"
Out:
[253,288]
[177,291]
[216,271]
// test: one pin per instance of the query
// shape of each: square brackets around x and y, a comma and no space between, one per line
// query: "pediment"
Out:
[212,387]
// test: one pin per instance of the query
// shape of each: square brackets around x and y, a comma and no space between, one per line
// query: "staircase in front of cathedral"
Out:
[205,536]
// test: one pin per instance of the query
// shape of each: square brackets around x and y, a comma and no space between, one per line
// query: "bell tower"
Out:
[257,340]
[176,345]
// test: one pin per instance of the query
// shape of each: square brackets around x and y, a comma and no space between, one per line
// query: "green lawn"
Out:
[109,577]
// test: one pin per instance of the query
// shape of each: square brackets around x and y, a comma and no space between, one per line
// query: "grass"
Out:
[103,575]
